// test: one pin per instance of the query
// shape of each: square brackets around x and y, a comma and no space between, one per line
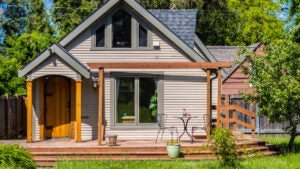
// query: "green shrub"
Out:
[15,156]
[224,147]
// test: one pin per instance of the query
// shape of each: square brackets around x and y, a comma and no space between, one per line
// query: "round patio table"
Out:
[185,120]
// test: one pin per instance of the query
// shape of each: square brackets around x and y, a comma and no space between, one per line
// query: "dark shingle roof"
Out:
[229,54]
[182,22]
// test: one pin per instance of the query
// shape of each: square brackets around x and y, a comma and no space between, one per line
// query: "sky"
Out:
[48,4]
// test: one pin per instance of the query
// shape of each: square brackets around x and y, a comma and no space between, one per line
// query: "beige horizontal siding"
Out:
[178,93]
[53,66]
[89,125]
[35,111]
[185,89]
[81,46]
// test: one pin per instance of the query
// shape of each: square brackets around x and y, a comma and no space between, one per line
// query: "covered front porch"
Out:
[213,71]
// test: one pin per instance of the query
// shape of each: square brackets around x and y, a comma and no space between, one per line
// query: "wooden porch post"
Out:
[100,105]
[208,104]
[219,97]
[78,110]
[42,111]
[29,110]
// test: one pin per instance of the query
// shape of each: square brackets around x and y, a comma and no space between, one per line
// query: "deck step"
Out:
[48,156]
[45,156]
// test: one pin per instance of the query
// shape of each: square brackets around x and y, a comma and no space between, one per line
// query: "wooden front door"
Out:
[57,106]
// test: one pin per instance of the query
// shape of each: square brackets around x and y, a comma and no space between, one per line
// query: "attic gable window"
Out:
[121,30]
[143,37]
[100,36]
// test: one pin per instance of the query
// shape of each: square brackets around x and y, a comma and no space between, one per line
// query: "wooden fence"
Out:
[12,117]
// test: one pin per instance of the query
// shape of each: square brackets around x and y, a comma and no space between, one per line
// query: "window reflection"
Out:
[121,29]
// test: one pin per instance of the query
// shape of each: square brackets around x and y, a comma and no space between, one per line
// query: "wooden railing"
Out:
[228,117]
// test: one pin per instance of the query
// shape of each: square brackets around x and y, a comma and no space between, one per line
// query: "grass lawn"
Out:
[286,161]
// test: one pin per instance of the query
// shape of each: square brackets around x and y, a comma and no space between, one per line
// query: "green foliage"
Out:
[239,22]
[28,46]
[9,81]
[295,16]
[14,17]
[155,4]
[186,4]
[38,19]
[295,8]
[67,14]
[15,156]
[224,147]
[23,49]
[125,109]
[216,24]
[256,21]
[173,142]
[282,142]
[153,104]
[276,78]
[285,161]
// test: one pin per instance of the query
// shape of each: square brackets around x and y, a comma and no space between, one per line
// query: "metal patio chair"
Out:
[161,121]
[200,128]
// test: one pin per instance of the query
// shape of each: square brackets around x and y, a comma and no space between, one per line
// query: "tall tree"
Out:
[295,14]
[257,21]
[66,14]
[155,4]
[22,48]
[276,80]
[38,19]
[215,23]
[14,18]
[186,4]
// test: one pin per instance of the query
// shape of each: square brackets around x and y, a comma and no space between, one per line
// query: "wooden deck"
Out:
[47,152]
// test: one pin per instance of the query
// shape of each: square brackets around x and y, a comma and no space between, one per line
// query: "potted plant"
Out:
[153,105]
[173,148]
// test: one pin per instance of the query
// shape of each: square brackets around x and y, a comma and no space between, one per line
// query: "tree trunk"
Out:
[293,134]
[291,142]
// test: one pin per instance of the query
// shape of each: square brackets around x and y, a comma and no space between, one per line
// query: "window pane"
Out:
[100,38]
[148,100]
[142,36]
[125,100]
[121,23]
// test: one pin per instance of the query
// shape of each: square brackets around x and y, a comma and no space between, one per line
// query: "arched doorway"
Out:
[57,107]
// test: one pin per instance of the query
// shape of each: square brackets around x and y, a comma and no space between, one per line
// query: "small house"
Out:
[102,77]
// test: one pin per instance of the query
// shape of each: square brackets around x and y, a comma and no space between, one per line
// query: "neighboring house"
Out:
[234,81]
[100,78]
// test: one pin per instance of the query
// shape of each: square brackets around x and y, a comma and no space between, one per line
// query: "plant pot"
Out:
[173,150]
[111,140]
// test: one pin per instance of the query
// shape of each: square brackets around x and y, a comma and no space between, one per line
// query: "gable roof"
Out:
[172,31]
[61,53]
[204,50]
[230,54]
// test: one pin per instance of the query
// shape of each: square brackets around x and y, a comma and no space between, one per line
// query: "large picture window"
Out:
[135,100]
